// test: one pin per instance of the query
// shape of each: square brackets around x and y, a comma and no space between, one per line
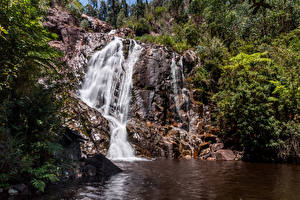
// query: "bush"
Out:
[84,24]
[159,12]
[251,113]
[142,27]
[28,134]
[74,9]
[192,34]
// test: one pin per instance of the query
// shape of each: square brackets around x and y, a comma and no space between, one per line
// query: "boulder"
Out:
[216,146]
[21,188]
[13,192]
[189,59]
[224,154]
[99,165]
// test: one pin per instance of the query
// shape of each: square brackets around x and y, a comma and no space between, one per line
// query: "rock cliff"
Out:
[164,120]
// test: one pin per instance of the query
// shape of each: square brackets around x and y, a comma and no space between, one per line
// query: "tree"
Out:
[103,13]
[91,8]
[29,111]
[113,11]
[139,9]
[124,8]
[251,112]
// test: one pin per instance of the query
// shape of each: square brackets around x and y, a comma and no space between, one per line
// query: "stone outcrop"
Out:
[78,45]
[164,120]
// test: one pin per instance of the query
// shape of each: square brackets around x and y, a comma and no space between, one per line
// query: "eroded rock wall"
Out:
[164,120]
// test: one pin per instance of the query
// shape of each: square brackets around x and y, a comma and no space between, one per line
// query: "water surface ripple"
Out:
[195,179]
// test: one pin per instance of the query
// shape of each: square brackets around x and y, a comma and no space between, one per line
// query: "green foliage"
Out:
[159,12]
[84,24]
[212,54]
[166,40]
[29,110]
[24,48]
[142,27]
[192,35]
[28,135]
[248,109]
[75,8]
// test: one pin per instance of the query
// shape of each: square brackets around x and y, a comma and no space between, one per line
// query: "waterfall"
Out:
[107,86]
[174,71]
[180,95]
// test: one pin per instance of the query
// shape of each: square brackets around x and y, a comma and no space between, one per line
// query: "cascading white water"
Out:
[174,71]
[180,95]
[107,86]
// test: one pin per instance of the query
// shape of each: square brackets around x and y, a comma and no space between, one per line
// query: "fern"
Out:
[39,184]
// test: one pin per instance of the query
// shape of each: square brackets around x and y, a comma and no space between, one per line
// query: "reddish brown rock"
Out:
[98,25]
[189,59]
[216,146]
[224,154]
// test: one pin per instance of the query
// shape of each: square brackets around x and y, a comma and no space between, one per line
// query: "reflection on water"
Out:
[194,179]
[115,187]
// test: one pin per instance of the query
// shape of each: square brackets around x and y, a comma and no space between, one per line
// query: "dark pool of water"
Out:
[195,179]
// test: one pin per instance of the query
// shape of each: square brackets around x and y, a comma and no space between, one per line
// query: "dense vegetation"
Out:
[247,69]
[248,66]
[29,110]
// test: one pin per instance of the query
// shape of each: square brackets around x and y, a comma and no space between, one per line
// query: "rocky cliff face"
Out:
[164,119]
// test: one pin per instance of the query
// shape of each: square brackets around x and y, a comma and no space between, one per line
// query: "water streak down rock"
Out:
[107,86]
[162,122]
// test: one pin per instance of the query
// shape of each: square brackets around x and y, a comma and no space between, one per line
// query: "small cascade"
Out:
[107,86]
[180,95]
[174,70]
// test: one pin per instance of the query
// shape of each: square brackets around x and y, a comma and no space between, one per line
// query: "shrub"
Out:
[251,112]
[142,27]
[74,9]
[84,24]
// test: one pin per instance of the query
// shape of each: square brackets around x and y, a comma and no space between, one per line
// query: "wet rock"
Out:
[217,146]
[187,157]
[204,145]
[90,170]
[13,192]
[205,152]
[210,158]
[99,165]
[210,138]
[224,154]
[21,188]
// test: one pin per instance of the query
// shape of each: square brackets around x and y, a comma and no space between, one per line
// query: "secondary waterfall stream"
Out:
[107,86]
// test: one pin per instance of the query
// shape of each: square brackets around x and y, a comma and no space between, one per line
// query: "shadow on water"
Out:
[195,179]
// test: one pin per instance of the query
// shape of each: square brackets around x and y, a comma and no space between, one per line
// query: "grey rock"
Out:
[12,192]
[20,187]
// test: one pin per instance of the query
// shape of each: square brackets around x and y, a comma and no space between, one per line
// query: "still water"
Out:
[196,179]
